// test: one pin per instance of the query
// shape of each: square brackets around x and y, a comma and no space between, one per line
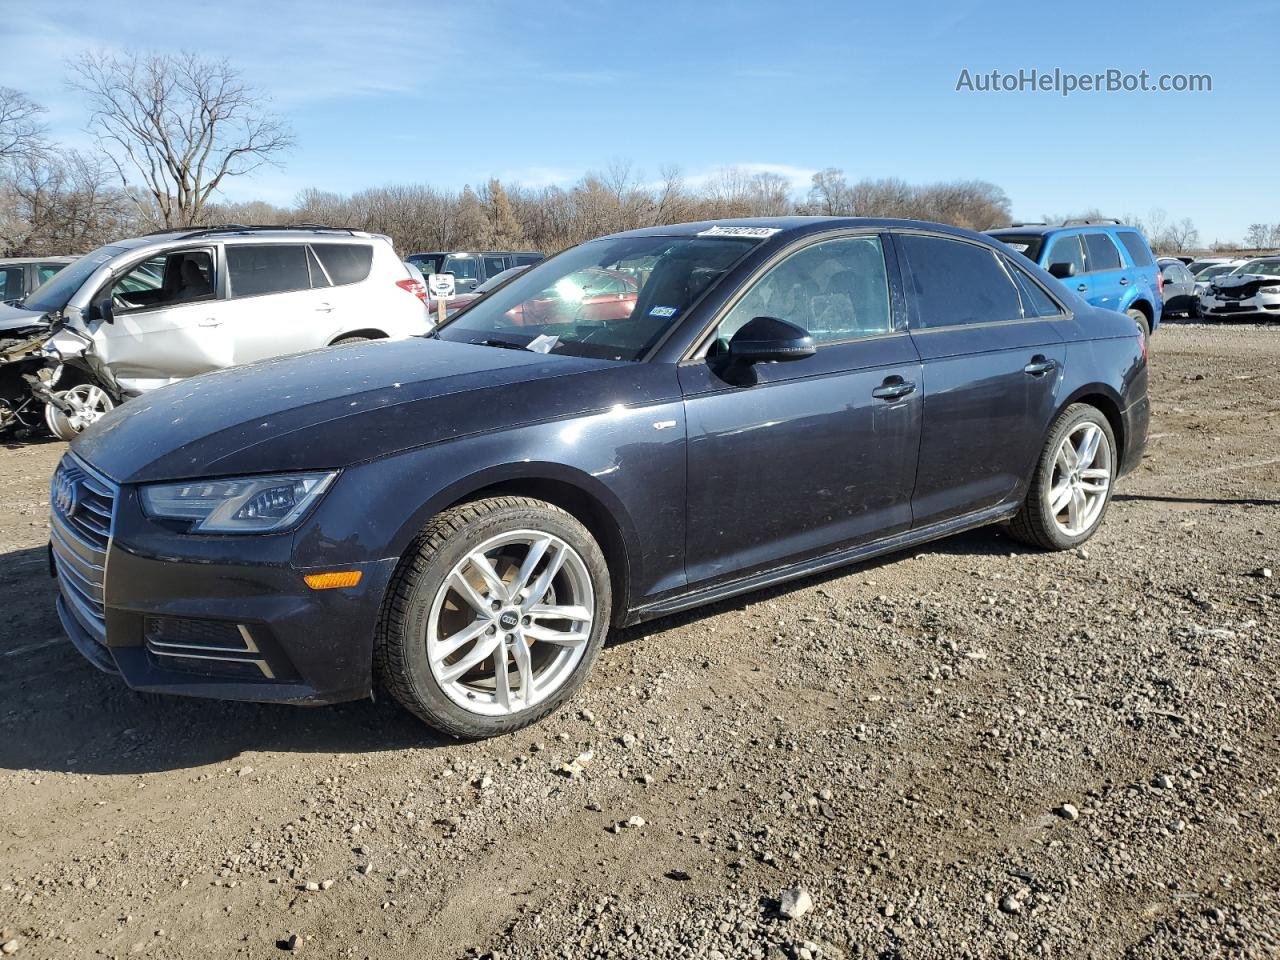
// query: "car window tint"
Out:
[527,259]
[270,268]
[955,282]
[1066,249]
[462,268]
[345,262]
[1139,253]
[319,278]
[493,265]
[836,290]
[10,283]
[1101,253]
[47,270]
[1035,302]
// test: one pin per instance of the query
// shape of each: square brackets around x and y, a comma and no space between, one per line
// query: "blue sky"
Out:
[452,93]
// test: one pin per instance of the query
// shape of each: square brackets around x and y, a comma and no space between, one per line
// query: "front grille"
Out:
[82,506]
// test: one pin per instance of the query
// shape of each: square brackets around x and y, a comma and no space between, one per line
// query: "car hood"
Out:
[1246,283]
[15,318]
[339,406]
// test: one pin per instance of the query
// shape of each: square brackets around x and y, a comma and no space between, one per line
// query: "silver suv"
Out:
[141,313]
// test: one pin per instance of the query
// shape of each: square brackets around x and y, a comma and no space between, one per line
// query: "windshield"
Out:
[1217,270]
[1258,266]
[426,262]
[1026,244]
[610,299]
[54,293]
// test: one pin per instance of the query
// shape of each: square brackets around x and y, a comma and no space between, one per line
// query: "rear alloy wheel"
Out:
[88,404]
[495,618]
[1140,318]
[1072,486]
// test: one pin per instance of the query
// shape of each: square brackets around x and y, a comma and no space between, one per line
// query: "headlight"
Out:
[1270,290]
[237,504]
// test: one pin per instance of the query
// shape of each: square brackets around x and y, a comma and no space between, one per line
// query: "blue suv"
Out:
[1103,261]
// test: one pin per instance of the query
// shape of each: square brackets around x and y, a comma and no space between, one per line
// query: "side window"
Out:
[1066,249]
[955,282]
[184,276]
[269,268]
[1139,252]
[319,278]
[345,262]
[1101,253]
[1035,302]
[494,265]
[462,268]
[11,283]
[836,289]
[47,270]
[528,259]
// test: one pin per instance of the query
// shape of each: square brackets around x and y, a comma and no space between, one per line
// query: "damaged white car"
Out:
[1251,288]
[141,313]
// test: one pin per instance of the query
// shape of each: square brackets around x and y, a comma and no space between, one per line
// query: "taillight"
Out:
[413,286]
[1160,283]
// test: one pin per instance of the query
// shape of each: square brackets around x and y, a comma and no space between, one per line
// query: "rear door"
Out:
[1108,277]
[345,303]
[992,359]
[272,309]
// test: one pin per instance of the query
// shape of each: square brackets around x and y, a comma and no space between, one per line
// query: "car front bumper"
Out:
[1268,303]
[186,615]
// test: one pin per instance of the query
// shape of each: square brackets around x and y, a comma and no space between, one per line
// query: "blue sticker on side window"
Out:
[663,312]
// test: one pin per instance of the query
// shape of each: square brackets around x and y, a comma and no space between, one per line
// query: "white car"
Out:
[1211,271]
[1251,288]
[142,313]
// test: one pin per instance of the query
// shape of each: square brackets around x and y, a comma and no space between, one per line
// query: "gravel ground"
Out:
[970,750]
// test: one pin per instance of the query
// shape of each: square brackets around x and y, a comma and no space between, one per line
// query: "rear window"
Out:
[1027,244]
[345,262]
[1100,252]
[955,283]
[270,268]
[1139,253]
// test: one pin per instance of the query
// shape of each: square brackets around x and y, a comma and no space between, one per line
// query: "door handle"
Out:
[210,322]
[1082,287]
[1040,365]
[1124,281]
[324,308]
[893,388]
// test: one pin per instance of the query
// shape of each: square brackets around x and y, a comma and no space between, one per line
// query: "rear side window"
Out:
[1139,253]
[345,262]
[270,268]
[1101,253]
[11,283]
[47,270]
[1066,249]
[494,265]
[954,283]
[1035,302]
[528,259]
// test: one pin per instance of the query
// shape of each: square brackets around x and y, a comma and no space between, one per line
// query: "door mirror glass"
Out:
[106,310]
[770,340]
[1062,270]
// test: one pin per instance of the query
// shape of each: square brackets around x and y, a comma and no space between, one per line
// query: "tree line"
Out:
[172,130]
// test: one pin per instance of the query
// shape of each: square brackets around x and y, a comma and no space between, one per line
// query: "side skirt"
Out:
[805,568]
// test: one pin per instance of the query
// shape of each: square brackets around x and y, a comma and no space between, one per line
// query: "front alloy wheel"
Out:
[495,617]
[87,404]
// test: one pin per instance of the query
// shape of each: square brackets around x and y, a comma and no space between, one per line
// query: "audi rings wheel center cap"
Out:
[509,620]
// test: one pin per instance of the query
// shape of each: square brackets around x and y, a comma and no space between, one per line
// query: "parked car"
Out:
[459,300]
[21,275]
[1206,274]
[1107,263]
[1179,288]
[141,313]
[1195,266]
[471,269]
[463,517]
[1252,287]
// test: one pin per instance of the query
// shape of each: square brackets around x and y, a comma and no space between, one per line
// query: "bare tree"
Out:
[1256,236]
[21,129]
[177,126]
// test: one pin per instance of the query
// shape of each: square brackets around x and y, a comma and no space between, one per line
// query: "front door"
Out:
[796,459]
[993,359]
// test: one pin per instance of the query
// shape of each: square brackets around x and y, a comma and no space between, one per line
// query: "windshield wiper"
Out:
[504,344]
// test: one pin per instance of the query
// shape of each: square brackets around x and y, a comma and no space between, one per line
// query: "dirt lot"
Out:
[972,750]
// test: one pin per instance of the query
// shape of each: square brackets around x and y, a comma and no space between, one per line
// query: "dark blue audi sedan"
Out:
[638,425]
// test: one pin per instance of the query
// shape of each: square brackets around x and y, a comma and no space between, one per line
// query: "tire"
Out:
[1140,318]
[341,340]
[1193,311]
[425,614]
[1037,523]
[93,403]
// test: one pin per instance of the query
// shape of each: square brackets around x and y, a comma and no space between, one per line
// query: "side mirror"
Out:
[769,340]
[106,310]
[1062,270]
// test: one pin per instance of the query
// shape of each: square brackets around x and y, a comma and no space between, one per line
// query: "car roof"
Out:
[783,227]
[17,260]
[1041,229]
